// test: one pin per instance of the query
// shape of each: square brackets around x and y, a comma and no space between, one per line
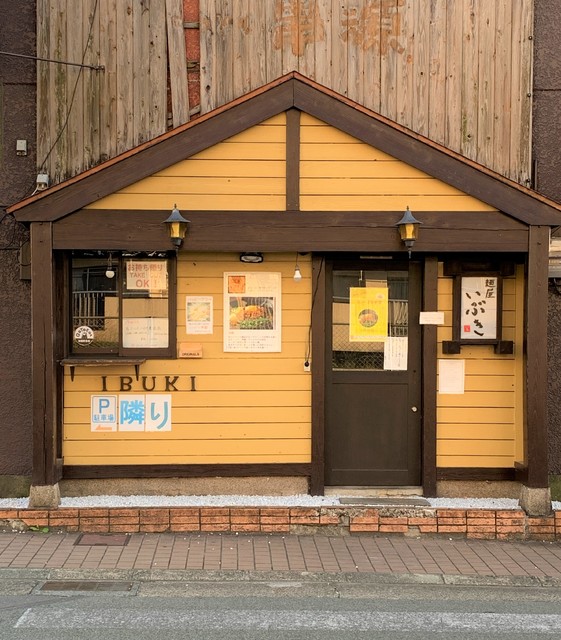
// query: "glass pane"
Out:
[95,306]
[145,304]
[370,320]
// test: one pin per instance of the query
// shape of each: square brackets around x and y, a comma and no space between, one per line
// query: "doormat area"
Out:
[102,539]
[387,502]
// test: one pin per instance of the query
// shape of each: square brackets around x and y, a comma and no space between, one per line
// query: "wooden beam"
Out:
[430,303]
[476,474]
[293,160]
[369,231]
[44,369]
[184,470]
[536,357]
[318,364]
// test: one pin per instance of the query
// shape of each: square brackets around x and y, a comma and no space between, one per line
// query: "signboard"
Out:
[131,412]
[479,308]
[103,413]
[252,312]
[368,314]
[146,275]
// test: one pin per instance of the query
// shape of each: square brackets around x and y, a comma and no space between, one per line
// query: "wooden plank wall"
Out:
[245,172]
[458,72]
[248,407]
[87,116]
[484,426]
[340,173]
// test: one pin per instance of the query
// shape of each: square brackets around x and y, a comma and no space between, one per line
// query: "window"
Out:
[121,304]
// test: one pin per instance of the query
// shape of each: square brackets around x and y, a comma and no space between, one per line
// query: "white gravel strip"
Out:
[301,500]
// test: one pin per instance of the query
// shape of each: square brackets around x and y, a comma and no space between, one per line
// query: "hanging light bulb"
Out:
[110,272]
[297,273]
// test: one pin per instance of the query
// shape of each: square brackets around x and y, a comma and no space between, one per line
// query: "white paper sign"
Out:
[145,333]
[395,354]
[431,317]
[451,376]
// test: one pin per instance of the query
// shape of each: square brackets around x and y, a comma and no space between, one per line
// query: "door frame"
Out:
[429,302]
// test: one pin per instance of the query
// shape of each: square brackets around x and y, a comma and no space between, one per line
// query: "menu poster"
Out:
[368,309]
[252,312]
[198,314]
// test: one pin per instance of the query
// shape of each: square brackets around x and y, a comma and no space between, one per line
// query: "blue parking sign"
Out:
[104,413]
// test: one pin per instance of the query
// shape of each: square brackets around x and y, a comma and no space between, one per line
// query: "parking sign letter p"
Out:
[103,404]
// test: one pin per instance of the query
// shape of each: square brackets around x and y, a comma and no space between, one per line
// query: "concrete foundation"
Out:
[477,489]
[535,502]
[44,496]
[259,486]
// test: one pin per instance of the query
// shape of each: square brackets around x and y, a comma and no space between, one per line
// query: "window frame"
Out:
[120,352]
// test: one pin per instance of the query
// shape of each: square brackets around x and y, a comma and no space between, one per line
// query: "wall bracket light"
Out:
[251,257]
[177,227]
[408,228]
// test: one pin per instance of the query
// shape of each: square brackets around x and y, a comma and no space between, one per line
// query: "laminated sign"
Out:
[368,311]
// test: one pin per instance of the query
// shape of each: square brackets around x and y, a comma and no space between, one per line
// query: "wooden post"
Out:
[430,303]
[45,375]
[536,357]
[293,160]
[317,480]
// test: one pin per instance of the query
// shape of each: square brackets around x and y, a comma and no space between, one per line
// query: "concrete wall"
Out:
[17,180]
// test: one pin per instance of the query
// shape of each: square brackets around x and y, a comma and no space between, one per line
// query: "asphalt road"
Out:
[279,610]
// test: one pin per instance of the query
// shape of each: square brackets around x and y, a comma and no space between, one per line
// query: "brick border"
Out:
[466,523]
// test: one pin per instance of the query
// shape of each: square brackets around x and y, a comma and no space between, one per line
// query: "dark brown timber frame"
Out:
[60,222]
[429,347]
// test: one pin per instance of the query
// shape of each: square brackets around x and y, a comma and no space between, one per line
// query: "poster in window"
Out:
[479,308]
[146,275]
[368,309]
[145,333]
[198,314]
[252,312]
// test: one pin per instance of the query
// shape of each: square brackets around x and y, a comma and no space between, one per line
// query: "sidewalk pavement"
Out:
[175,557]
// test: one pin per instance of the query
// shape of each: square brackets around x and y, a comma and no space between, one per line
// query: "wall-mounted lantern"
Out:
[408,229]
[177,227]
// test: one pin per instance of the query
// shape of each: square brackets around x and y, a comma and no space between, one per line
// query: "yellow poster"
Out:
[368,310]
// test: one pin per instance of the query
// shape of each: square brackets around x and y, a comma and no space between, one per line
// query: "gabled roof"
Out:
[290,91]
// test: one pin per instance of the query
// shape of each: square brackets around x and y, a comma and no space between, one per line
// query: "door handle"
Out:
[414,409]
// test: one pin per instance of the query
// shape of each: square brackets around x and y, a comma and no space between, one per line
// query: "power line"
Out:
[72,64]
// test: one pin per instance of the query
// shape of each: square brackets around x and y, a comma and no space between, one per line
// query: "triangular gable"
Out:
[248,172]
[291,91]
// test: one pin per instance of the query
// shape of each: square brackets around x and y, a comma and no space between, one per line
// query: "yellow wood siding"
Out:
[248,407]
[483,426]
[340,173]
[248,172]
[245,172]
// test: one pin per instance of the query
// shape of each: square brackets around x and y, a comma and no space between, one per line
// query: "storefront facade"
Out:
[375,368]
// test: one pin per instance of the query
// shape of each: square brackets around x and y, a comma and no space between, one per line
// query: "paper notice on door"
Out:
[395,354]
[451,376]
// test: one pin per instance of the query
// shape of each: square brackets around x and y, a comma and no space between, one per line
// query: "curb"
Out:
[202,576]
